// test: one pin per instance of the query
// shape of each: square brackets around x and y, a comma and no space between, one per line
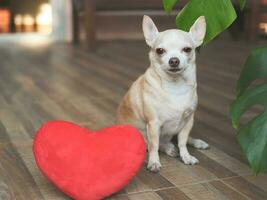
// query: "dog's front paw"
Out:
[200,144]
[189,160]
[154,166]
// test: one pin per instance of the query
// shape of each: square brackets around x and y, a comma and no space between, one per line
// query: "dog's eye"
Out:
[187,49]
[160,51]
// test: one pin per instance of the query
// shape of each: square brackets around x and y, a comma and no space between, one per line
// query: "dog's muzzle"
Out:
[174,64]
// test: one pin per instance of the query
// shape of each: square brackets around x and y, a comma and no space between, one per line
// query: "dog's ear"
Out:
[150,30]
[198,31]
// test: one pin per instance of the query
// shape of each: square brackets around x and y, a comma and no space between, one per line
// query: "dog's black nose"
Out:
[174,62]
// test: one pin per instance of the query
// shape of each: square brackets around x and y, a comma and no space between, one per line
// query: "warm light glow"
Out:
[28,20]
[263,26]
[18,20]
[44,18]
[45,7]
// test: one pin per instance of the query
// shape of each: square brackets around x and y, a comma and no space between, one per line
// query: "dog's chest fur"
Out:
[180,102]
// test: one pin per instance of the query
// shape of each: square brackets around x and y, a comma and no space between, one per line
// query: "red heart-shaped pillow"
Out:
[88,165]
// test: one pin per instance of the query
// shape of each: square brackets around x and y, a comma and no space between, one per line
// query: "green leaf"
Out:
[242,4]
[252,136]
[254,96]
[253,140]
[255,67]
[219,14]
[168,5]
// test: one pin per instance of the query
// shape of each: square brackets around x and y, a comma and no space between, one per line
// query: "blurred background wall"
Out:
[86,21]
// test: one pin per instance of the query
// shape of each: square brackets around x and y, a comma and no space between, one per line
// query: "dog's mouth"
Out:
[175,70]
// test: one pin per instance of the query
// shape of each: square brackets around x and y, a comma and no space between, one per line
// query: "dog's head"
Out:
[173,51]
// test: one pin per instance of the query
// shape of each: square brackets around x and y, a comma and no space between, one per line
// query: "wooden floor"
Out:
[42,81]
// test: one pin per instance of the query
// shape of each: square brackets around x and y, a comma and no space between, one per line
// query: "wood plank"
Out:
[147,181]
[121,197]
[214,190]
[258,180]
[212,166]
[181,174]
[246,188]
[16,181]
[145,196]
[171,194]
[227,161]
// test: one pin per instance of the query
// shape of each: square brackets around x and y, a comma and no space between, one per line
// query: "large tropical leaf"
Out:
[219,14]
[253,135]
[255,67]
[168,5]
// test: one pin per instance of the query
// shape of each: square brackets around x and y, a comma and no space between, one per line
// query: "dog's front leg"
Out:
[182,141]
[153,133]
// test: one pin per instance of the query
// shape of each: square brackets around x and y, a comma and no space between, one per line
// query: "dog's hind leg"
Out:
[167,146]
[197,143]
